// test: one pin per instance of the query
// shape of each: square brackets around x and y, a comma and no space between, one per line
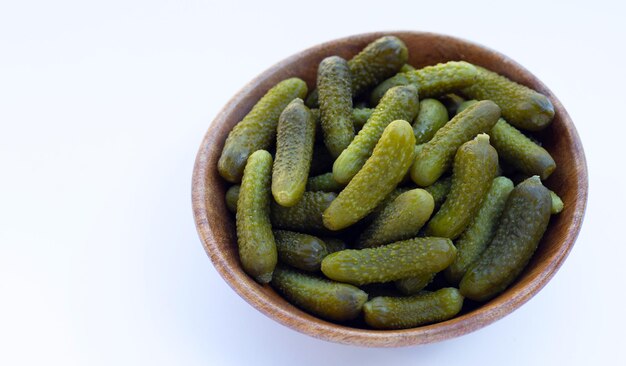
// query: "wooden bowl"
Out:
[216,225]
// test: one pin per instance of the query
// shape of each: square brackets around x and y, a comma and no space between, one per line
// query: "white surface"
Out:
[102,108]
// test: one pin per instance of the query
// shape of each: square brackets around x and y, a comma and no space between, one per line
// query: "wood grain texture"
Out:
[216,226]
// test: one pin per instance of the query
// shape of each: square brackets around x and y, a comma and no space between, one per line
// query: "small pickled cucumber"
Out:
[335,99]
[474,168]
[415,284]
[431,81]
[524,220]
[322,161]
[232,195]
[387,201]
[452,103]
[306,215]
[257,130]
[391,262]
[326,299]
[438,153]
[400,220]
[257,248]
[431,117]
[480,231]
[399,103]
[521,106]
[406,68]
[439,190]
[381,173]
[324,182]
[294,150]
[360,117]
[334,244]
[557,203]
[376,62]
[521,152]
[413,311]
[466,104]
[299,250]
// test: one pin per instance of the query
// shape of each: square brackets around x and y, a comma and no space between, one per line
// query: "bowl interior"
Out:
[216,226]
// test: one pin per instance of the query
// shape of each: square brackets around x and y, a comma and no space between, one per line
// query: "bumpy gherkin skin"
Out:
[439,190]
[376,62]
[557,203]
[415,284]
[360,117]
[431,81]
[324,182]
[294,150]
[431,117]
[257,248]
[381,173]
[257,130]
[521,106]
[399,103]
[437,155]
[326,299]
[409,312]
[400,220]
[481,229]
[524,220]
[335,99]
[306,215]
[299,250]
[232,195]
[391,262]
[475,166]
[521,152]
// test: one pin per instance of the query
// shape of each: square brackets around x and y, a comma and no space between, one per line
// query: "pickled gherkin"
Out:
[413,311]
[304,216]
[294,150]
[524,220]
[386,167]
[557,203]
[480,231]
[413,285]
[324,182]
[391,262]
[257,248]
[232,195]
[257,130]
[437,155]
[406,68]
[475,167]
[399,103]
[401,219]
[335,99]
[439,190]
[431,117]
[431,81]
[326,299]
[299,250]
[360,117]
[521,106]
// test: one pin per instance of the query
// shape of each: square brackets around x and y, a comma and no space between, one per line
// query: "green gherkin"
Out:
[232,195]
[376,62]
[409,312]
[402,219]
[381,173]
[413,285]
[481,230]
[257,130]
[524,220]
[439,190]
[437,155]
[557,203]
[391,262]
[299,250]
[335,99]
[399,103]
[306,215]
[294,150]
[475,167]
[465,104]
[360,117]
[257,248]
[326,299]
[431,81]
[431,117]
[406,68]
[324,182]
[521,106]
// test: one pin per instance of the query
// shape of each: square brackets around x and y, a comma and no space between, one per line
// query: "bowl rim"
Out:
[457,326]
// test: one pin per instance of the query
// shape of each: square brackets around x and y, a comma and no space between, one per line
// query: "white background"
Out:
[103,105]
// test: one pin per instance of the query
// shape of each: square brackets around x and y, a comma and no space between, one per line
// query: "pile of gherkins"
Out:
[390,181]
